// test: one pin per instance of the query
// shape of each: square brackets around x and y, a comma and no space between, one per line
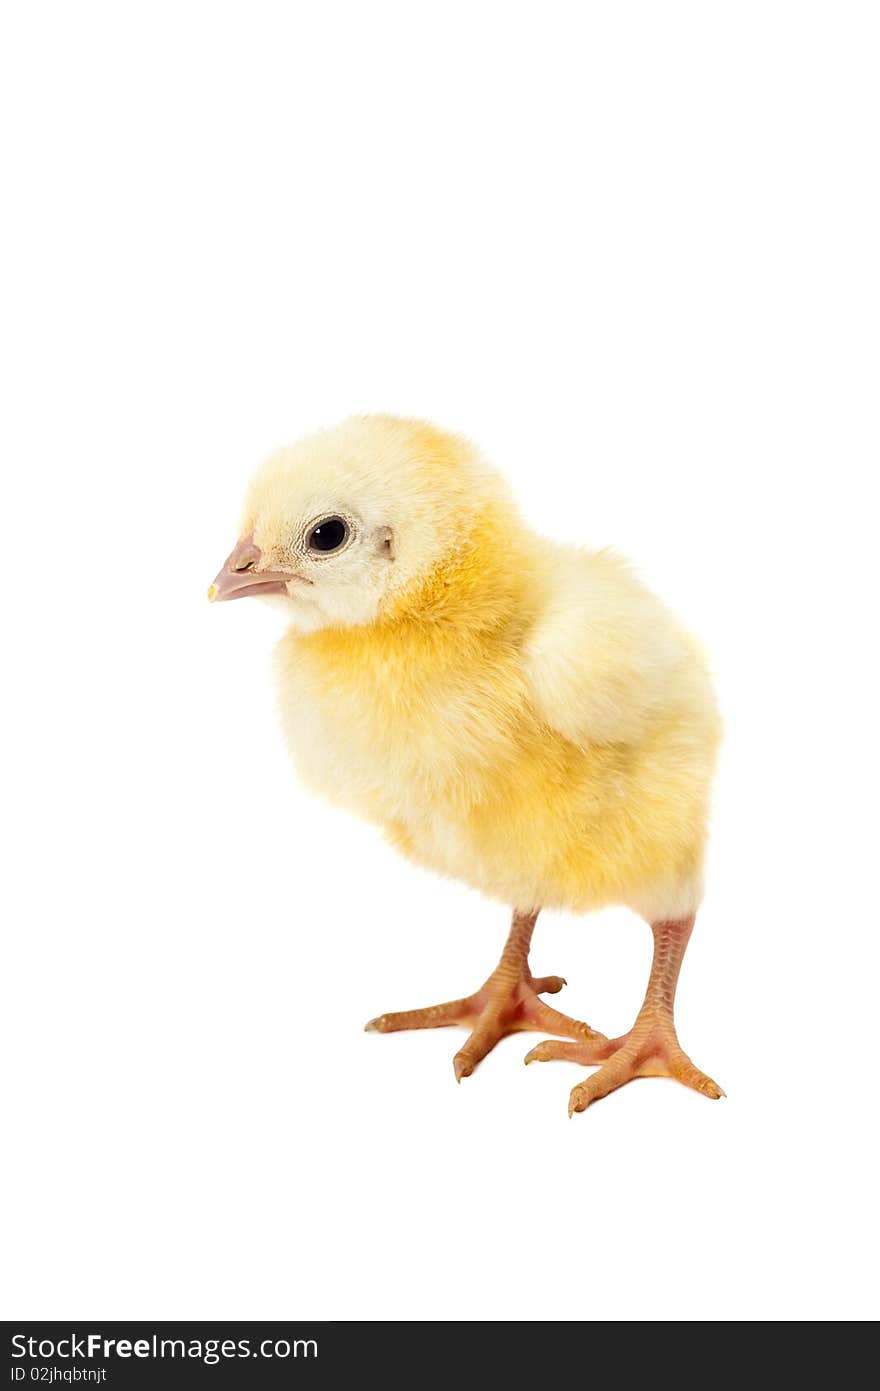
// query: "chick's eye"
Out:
[328,535]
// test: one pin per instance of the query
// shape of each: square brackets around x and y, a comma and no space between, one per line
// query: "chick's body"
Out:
[523,716]
[444,724]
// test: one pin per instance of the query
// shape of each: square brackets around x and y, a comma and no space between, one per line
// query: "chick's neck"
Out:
[487,584]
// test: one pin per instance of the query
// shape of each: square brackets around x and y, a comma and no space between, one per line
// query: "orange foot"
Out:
[651,1048]
[508,1003]
[640,1053]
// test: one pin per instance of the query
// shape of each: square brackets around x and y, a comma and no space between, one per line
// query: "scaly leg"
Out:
[651,1048]
[506,1004]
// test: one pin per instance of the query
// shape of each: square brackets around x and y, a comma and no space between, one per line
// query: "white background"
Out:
[633,251]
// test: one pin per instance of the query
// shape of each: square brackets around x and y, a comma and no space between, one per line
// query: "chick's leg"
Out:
[507,1003]
[651,1048]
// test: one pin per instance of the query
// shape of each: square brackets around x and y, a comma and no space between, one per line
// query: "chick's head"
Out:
[335,526]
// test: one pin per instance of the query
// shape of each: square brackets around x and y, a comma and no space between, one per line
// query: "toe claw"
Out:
[548,985]
[462,1067]
[577,1101]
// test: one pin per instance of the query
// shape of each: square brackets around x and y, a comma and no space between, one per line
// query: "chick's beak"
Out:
[241,574]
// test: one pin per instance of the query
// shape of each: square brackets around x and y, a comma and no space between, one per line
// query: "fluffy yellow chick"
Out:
[524,716]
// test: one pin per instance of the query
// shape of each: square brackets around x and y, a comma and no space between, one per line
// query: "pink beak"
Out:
[241,574]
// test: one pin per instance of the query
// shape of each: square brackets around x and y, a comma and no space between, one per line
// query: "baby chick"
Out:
[521,715]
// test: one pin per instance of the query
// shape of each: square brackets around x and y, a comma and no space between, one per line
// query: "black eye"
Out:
[328,535]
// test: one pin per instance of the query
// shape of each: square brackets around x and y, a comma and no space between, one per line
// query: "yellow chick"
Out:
[524,716]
